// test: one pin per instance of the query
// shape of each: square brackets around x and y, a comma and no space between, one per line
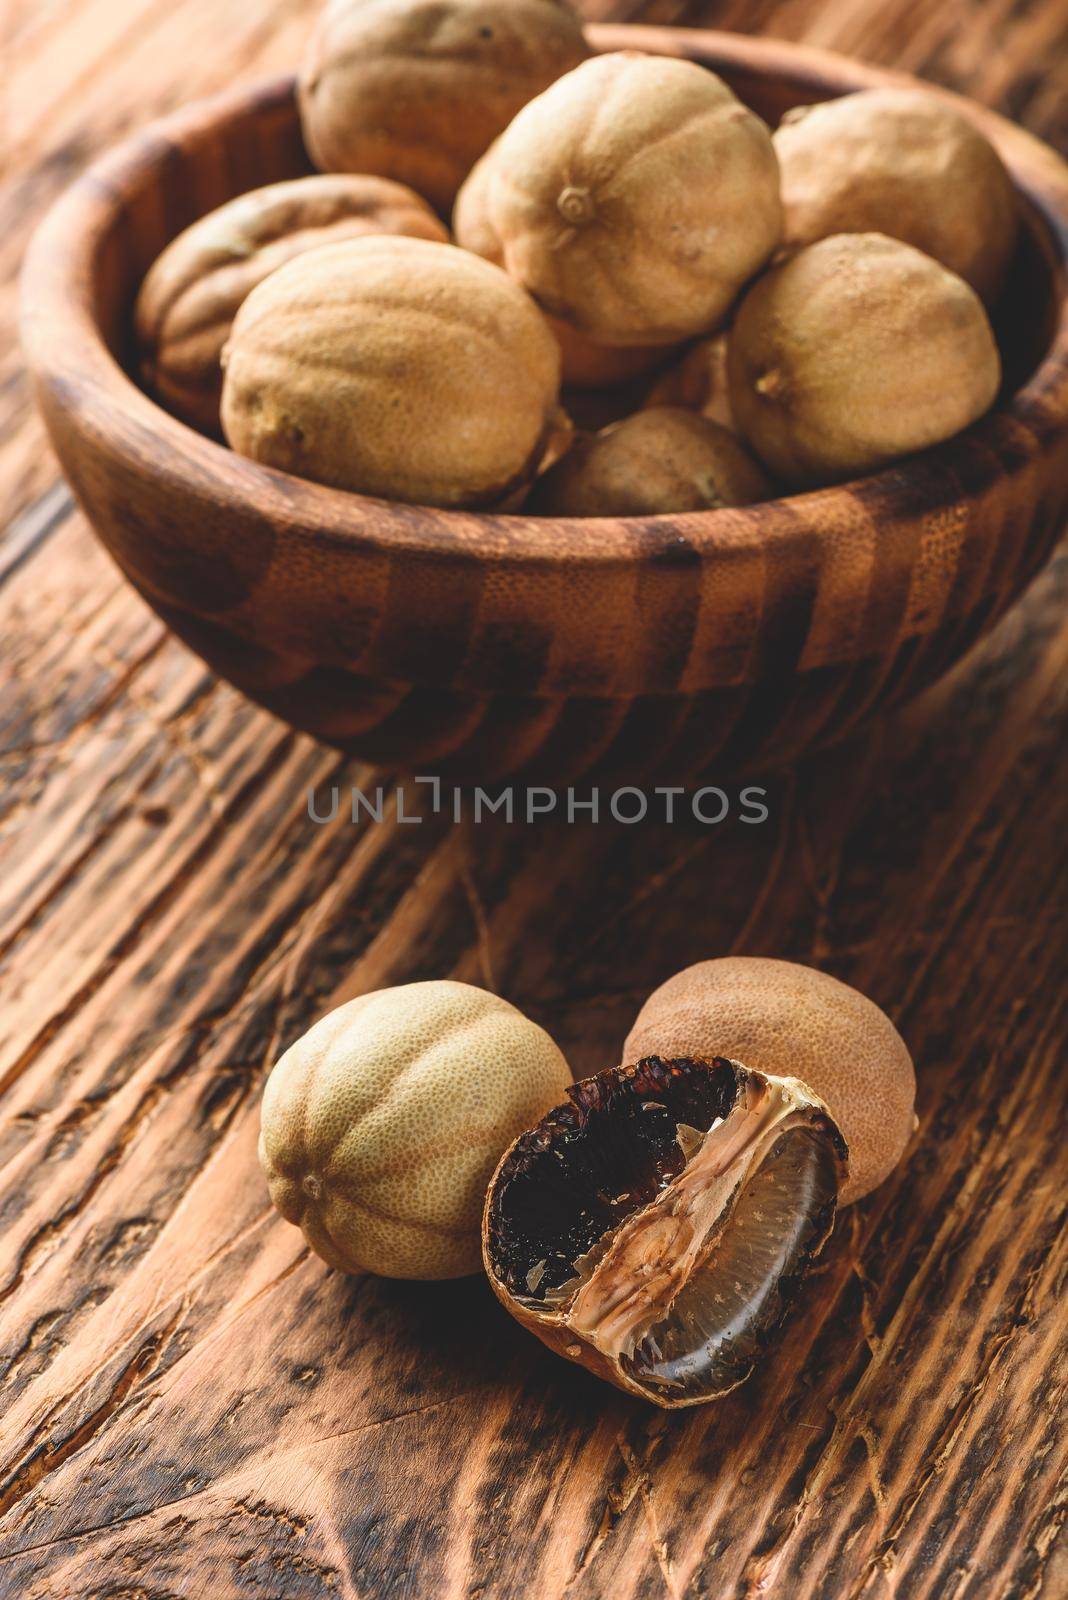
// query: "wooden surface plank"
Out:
[189,1403]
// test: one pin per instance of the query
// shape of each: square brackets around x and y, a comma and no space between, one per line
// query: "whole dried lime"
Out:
[393,367]
[903,162]
[193,290]
[632,199]
[854,352]
[659,460]
[417,89]
[382,1124]
[780,1017]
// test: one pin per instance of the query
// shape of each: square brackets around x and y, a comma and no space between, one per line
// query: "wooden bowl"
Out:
[484,646]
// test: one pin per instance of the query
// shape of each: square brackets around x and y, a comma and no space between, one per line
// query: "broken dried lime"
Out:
[656,1227]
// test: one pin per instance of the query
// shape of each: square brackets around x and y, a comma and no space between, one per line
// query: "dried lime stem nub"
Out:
[575,205]
[771,385]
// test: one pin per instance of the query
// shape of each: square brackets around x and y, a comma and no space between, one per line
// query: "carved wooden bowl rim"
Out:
[67,345]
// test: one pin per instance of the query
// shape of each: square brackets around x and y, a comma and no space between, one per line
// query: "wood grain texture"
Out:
[189,1405]
[549,647]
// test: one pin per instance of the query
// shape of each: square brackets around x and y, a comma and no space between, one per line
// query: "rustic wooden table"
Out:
[191,1404]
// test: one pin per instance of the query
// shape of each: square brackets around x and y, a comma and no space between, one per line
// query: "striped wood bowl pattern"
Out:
[493,646]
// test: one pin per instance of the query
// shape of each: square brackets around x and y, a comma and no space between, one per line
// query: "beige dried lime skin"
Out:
[417,89]
[381,1126]
[903,162]
[660,460]
[585,362]
[393,367]
[632,199]
[193,290]
[856,351]
[793,1021]
[698,381]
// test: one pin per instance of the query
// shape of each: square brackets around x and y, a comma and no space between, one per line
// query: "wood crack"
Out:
[1017,1321]
[161,901]
[32,528]
[48,1457]
[122,679]
[120,1524]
